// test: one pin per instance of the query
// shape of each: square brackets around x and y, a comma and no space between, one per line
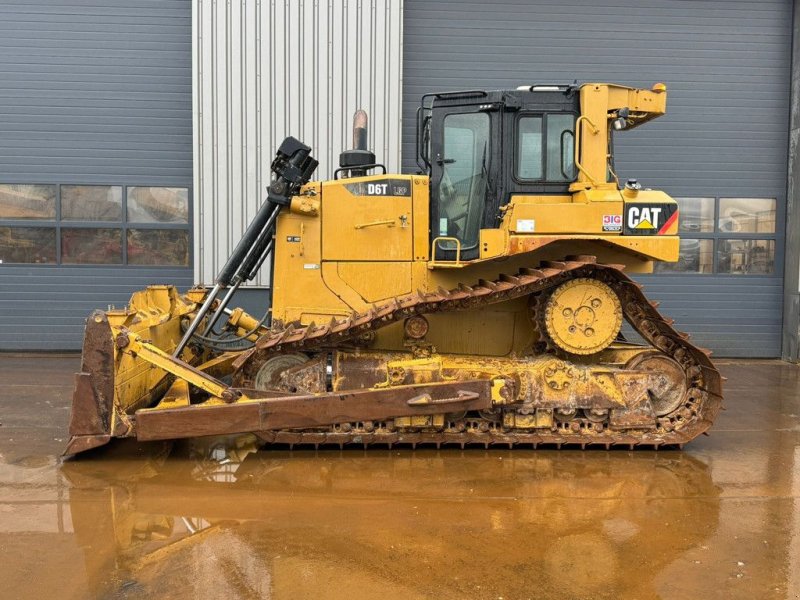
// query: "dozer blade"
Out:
[92,401]
[112,384]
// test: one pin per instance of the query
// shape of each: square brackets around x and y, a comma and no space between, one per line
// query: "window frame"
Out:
[479,203]
[777,237]
[123,225]
[516,153]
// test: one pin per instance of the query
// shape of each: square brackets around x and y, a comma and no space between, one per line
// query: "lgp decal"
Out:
[380,187]
[649,219]
[612,222]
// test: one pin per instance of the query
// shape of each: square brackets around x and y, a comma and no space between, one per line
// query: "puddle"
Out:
[220,519]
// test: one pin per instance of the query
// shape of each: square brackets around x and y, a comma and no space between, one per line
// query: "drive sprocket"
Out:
[581,316]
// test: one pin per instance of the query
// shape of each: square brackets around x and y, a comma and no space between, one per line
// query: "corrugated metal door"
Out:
[727,67]
[94,93]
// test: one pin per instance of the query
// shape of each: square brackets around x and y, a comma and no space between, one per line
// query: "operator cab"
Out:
[481,147]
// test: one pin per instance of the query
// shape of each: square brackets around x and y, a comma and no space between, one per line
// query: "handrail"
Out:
[595,131]
[436,242]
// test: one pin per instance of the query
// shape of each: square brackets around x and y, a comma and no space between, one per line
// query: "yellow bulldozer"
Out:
[480,301]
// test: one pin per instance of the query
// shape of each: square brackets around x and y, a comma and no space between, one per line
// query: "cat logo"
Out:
[649,219]
[643,218]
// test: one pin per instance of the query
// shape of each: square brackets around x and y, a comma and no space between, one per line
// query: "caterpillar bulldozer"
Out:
[479,301]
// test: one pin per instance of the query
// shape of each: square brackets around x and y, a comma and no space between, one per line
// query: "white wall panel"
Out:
[267,69]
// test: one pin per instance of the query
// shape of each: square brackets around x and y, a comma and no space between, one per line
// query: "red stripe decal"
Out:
[669,223]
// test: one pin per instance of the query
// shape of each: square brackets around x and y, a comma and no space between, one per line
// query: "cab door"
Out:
[462,154]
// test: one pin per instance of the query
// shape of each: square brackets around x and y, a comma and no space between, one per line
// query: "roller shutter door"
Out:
[93,94]
[724,138]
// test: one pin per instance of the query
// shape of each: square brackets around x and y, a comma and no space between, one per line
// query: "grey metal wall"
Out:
[92,92]
[265,70]
[727,67]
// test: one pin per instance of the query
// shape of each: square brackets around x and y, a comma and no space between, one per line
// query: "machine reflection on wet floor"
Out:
[220,517]
[719,519]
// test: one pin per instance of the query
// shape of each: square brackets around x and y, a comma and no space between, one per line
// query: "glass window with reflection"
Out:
[746,257]
[158,204]
[696,256]
[546,147]
[92,224]
[91,203]
[696,215]
[530,162]
[101,246]
[465,166]
[747,215]
[27,245]
[158,247]
[560,147]
[27,201]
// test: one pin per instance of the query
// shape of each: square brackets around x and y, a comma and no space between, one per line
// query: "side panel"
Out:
[573,217]
[367,219]
[299,292]
[374,283]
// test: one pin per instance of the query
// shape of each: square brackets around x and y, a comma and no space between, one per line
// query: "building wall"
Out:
[101,94]
[791,288]
[93,93]
[266,70]
[727,67]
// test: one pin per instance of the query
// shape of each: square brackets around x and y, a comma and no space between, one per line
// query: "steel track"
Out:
[693,417]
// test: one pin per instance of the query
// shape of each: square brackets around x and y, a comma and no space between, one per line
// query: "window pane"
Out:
[747,215]
[27,245]
[22,201]
[158,247]
[158,205]
[696,215]
[462,189]
[560,149]
[91,203]
[746,256]
[696,256]
[91,246]
[529,148]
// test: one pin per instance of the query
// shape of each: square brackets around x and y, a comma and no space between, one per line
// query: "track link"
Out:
[693,417]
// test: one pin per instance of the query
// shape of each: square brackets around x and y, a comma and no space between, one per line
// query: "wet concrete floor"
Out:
[720,519]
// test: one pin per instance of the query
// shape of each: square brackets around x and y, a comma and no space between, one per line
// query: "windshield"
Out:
[462,189]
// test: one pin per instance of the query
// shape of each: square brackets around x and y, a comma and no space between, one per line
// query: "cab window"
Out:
[465,165]
[530,163]
[560,147]
[545,147]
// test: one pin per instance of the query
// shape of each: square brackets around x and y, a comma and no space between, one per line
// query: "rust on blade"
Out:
[93,397]
[290,412]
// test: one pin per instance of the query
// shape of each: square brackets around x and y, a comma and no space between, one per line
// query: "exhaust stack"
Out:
[358,160]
